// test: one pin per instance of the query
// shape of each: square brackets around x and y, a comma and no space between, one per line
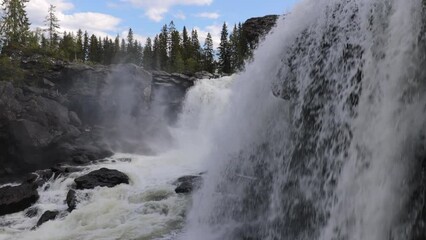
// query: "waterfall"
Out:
[323,136]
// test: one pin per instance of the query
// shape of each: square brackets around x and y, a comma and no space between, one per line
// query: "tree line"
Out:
[170,50]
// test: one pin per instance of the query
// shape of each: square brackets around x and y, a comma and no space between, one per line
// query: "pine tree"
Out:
[52,24]
[93,54]
[15,24]
[176,60]
[123,50]
[66,46]
[130,49]
[86,46]
[233,48]
[243,46]
[193,63]
[79,46]
[224,51]
[186,45]
[156,62]
[208,54]
[148,56]
[163,48]
[116,49]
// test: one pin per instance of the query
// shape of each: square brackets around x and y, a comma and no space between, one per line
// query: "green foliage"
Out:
[10,71]
[170,50]
[208,54]
[15,24]
[52,25]
[224,52]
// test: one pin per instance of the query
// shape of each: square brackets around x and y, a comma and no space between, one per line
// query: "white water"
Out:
[335,160]
[147,208]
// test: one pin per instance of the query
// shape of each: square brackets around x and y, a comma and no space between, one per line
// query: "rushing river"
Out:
[147,208]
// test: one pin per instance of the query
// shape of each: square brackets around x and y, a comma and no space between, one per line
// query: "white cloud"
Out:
[180,15]
[156,14]
[155,9]
[94,23]
[210,15]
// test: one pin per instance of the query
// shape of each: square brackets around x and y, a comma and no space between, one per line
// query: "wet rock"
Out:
[187,184]
[203,75]
[101,178]
[32,212]
[71,200]
[17,198]
[256,28]
[47,216]
[74,119]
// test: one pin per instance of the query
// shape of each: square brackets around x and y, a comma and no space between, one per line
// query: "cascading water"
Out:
[147,208]
[324,134]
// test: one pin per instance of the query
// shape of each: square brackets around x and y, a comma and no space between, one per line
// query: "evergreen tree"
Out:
[243,46]
[224,51]
[66,46]
[86,46]
[186,45]
[123,50]
[234,49]
[193,63]
[163,48]
[52,24]
[15,24]
[79,46]
[208,54]
[139,53]
[176,60]
[148,56]
[93,54]
[130,49]
[156,62]
[116,49]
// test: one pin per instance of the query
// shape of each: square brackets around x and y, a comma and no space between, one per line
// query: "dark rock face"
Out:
[101,178]
[256,28]
[80,116]
[187,184]
[18,198]
[47,216]
[71,200]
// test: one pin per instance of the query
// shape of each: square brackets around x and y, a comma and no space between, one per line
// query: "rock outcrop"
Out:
[187,184]
[101,178]
[71,200]
[17,198]
[256,28]
[47,216]
[78,114]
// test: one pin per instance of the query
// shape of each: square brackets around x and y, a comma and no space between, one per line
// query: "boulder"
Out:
[47,216]
[101,178]
[17,198]
[31,212]
[256,28]
[71,200]
[187,184]
[74,119]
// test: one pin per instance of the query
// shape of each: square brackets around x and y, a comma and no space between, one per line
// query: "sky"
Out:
[146,17]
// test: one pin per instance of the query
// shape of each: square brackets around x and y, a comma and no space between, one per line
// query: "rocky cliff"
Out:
[79,113]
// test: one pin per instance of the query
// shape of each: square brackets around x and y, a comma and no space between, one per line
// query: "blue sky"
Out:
[146,17]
